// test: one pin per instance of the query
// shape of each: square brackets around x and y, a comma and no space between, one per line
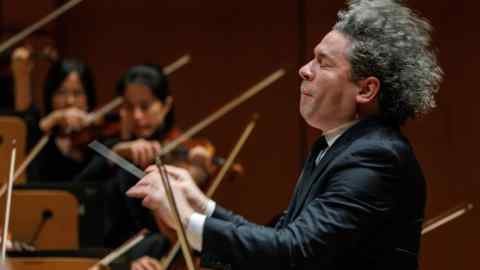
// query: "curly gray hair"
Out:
[392,43]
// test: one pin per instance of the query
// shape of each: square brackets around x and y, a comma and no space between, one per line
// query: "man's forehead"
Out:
[334,44]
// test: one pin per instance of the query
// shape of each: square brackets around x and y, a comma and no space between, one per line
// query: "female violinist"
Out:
[69,94]
[147,118]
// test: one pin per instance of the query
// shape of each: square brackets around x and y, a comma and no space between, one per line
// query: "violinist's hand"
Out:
[146,263]
[188,197]
[22,66]
[140,151]
[22,63]
[70,119]
[74,119]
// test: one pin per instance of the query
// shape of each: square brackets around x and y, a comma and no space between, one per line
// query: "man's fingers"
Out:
[141,188]
[136,266]
[178,173]
[138,191]
[148,202]
[151,168]
[153,264]
[147,263]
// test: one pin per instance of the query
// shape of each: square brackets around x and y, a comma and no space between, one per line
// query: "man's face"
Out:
[327,97]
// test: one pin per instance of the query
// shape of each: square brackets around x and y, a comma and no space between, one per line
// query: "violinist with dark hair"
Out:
[69,94]
[147,122]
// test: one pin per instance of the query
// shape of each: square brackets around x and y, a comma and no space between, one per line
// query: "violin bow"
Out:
[27,31]
[43,141]
[35,150]
[168,70]
[126,165]
[8,204]
[223,110]
[182,236]
[218,179]
[110,106]
[112,256]
[446,217]
[14,40]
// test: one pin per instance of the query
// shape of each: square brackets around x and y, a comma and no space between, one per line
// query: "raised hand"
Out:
[22,66]
[22,63]
[70,119]
[140,151]
[146,263]
[188,197]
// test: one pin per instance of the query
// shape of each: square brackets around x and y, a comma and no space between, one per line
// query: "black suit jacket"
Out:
[361,208]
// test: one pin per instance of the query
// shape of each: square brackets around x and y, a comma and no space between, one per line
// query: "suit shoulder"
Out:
[385,143]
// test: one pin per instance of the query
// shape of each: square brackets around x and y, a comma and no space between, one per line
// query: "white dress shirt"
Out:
[196,221]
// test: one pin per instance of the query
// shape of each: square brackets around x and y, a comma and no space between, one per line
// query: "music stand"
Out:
[12,128]
[48,218]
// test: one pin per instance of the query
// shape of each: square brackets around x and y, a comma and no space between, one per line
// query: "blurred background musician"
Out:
[16,87]
[147,121]
[69,94]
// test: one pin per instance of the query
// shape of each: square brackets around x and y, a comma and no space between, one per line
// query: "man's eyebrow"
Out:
[322,54]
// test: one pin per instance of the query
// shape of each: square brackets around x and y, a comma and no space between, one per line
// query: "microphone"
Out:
[47,214]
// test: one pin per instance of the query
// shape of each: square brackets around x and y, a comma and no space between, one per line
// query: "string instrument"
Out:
[97,126]
[186,136]
[100,126]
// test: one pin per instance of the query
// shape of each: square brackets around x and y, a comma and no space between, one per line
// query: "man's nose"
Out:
[305,72]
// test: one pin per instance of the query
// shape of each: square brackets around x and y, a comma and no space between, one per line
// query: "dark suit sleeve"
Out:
[358,197]
[226,215]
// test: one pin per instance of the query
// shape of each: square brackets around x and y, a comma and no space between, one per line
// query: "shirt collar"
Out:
[333,134]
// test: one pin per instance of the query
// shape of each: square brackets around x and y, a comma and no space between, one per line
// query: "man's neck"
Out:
[332,134]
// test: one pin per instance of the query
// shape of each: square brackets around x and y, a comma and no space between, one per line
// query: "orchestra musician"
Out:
[69,94]
[147,122]
[359,202]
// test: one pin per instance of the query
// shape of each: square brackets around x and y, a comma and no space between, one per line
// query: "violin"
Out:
[105,128]
[198,157]
[100,124]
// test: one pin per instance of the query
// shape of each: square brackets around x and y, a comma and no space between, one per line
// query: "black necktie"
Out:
[306,180]
[320,145]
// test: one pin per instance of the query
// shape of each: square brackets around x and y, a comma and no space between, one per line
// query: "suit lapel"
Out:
[305,185]
[302,183]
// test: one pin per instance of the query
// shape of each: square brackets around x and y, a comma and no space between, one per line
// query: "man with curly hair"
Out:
[359,203]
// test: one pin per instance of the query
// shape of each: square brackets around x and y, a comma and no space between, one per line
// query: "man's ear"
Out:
[368,90]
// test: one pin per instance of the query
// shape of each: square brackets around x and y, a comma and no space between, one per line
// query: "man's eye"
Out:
[324,63]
